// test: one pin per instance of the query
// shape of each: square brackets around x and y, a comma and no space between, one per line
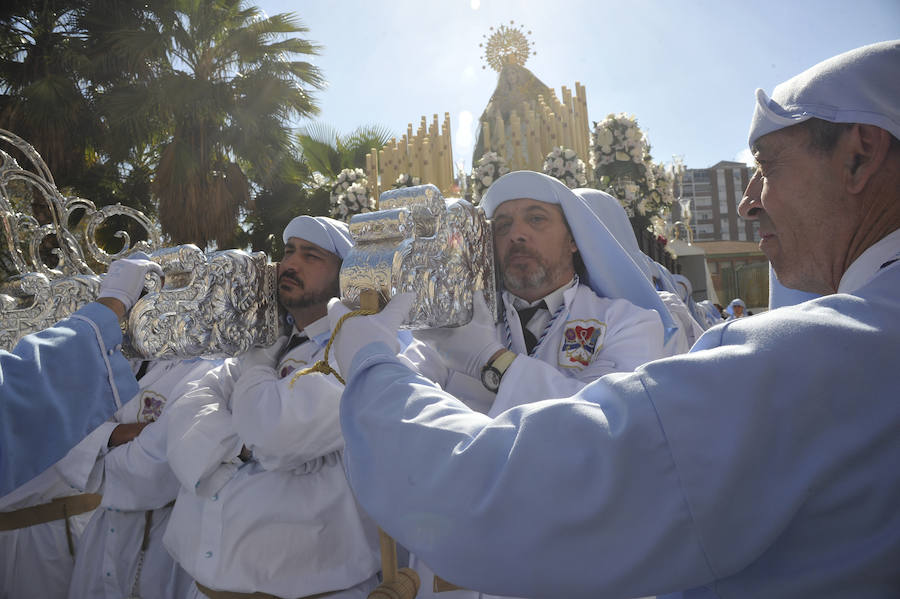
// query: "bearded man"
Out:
[264,506]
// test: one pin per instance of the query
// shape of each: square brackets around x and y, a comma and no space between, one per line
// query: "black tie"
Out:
[525,315]
[142,370]
[293,342]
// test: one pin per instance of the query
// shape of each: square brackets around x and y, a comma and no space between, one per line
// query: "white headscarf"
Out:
[684,292]
[327,233]
[735,302]
[611,271]
[612,214]
[859,86]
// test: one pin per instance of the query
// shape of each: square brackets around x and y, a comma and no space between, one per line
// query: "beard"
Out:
[542,274]
[306,298]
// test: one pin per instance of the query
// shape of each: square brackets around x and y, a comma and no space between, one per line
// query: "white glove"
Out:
[262,356]
[469,347]
[359,331]
[124,280]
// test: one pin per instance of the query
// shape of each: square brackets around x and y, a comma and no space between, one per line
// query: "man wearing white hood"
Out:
[763,463]
[575,306]
[264,507]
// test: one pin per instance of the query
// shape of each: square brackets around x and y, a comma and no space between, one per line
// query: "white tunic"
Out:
[761,464]
[586,337]
[285,522]
[133,478]
[35,561]
[689,330]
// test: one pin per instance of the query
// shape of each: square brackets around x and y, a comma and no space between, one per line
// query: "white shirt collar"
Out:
[554,299]
[317,329]
[869,262]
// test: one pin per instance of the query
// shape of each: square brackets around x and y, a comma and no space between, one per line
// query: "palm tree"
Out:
[218,105]
[42,97]
[329,152]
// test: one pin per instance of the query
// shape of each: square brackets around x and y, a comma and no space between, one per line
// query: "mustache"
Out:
[292,276]
[520,250]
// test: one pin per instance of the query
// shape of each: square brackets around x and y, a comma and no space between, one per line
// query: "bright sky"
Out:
[687,69]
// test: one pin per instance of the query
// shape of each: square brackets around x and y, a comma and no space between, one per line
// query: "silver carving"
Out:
[441,250]
[33,302]
[220,304]
[49,253]
[215,305]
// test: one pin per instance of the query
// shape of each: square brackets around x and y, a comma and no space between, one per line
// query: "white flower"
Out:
[486,181]
[642,206]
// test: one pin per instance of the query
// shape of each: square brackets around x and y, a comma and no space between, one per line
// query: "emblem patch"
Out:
[290,365]
[151,406]
[581,339]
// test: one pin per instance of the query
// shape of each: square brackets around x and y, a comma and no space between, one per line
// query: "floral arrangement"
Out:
[563,164]
[618,139]
[489,168]
[406,180]
[620,157]
[350,195]
[662,195]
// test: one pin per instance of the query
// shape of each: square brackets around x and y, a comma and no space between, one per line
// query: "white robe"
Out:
[560,367]
[284,522]
[35,561]
[133,478]
[761,464]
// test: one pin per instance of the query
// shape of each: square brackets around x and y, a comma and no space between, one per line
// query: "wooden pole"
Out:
[397,583]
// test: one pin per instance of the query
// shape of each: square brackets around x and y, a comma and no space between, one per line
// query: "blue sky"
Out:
[687,69]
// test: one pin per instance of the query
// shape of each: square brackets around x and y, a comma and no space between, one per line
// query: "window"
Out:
[738,188]
[725,232]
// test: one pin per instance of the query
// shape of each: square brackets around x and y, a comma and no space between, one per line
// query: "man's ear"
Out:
[865,148]
[572,246]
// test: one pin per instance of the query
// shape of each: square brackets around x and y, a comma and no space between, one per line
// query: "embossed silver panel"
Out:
[441,250]
[221,305]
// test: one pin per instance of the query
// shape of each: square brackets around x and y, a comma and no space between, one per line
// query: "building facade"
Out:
[713,195]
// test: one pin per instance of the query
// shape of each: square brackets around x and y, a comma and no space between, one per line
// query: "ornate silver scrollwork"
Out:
[441,250]
[220,304]
[47,270]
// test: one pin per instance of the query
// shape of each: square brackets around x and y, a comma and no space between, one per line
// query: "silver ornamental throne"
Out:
[220,304]
[441,250]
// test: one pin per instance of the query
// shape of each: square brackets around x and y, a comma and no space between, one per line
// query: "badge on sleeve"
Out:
[151,406]
[582,338]
[290,365]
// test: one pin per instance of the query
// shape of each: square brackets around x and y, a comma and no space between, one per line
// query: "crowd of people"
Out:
[605,436]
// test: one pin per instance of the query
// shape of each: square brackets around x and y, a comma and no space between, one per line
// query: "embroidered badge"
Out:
[151,406]
[290,365]
[581,339]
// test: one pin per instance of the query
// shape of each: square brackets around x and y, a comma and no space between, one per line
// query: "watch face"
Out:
[490,378]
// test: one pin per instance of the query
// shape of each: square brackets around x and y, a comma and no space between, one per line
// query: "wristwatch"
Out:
[493,371]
